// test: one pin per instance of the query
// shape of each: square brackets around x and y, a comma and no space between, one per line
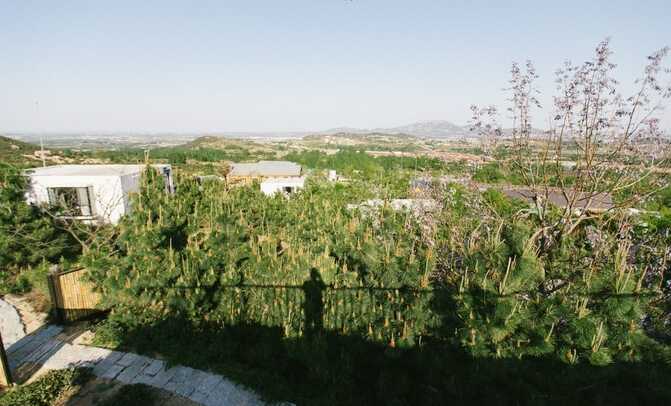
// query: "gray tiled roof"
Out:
[266,168]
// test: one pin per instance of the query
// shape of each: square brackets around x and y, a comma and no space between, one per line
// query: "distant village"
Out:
[101,192]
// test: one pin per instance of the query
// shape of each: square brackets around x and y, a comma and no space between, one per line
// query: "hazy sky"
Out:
[293,65]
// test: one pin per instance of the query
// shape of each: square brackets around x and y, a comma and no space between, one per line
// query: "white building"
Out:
[274,176]
[97,193]
[271,186]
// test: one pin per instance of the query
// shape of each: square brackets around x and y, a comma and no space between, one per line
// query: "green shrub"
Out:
[46,389]
[27,237]
[489,173]
[156,265]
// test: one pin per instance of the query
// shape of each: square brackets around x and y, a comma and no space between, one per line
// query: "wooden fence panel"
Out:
[72,296]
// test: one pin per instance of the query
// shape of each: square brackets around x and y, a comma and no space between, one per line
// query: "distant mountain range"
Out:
[438,129]
[424,129]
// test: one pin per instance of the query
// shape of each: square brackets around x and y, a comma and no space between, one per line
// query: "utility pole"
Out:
[37,115]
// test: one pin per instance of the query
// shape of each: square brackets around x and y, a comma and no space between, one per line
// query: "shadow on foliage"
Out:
[323,367]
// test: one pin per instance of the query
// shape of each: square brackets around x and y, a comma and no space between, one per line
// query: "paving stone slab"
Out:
[133,369]
[142,378]
[154,368]
[148,373]
[90,354]
[35,342]
[163,377]
[48,332]
[195,380]
[210,382]
[107,363]
[112,371]
[11,349]
[237,396]
[199,397]
[20,355]
[220,394]
[48,347]
[68,356]
[127,359]
[181,382]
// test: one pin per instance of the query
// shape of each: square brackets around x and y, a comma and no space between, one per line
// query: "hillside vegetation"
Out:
[12,151]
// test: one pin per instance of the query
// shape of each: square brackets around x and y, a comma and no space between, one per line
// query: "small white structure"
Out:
[270,186]
[415,206]
[274,176]
[95,193]
[332,176]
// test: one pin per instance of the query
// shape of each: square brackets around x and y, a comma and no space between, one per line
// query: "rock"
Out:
[11,326]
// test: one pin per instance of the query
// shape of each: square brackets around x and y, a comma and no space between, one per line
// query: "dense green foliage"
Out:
[173,155]
[45,390]
[475,277]
[27,237]
[12,151]
[489,173]
[351,160]
[309,301]
[187,255]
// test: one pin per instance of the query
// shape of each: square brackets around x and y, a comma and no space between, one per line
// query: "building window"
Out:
[75,201]
[288,189]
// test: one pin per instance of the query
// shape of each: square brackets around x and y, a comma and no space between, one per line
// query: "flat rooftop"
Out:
[88,170]
[266,168]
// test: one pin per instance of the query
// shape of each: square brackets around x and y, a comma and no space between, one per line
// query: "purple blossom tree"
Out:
[598,144]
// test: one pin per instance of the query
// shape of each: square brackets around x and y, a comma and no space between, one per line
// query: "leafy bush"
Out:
[46,389]
[504,288]
[27,237]
[180,155]
[489,173]
[501,204]
[189,255]
[350,160]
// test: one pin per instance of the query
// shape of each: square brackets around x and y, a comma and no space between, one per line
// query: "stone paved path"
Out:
[43,350]
[11,326]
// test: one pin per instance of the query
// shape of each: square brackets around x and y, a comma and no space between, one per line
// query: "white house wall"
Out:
[130,184]
[273,185]
[108,197]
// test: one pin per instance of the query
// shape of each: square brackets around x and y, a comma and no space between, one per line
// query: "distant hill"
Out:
[434,129]
[423,129]
[372,136]
[12,151]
